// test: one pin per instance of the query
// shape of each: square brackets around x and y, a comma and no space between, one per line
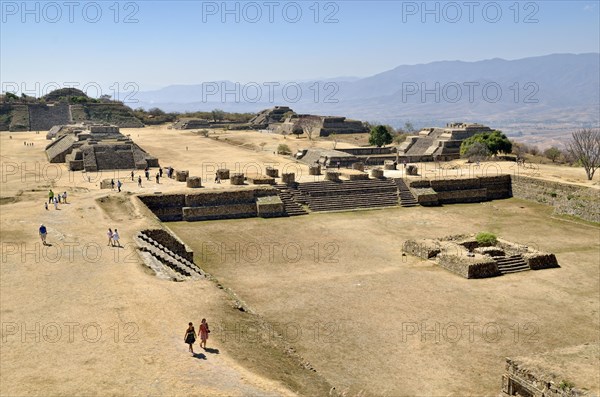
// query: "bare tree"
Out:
[309,124]
[584,146]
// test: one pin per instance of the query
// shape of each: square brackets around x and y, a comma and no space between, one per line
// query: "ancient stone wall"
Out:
[461,190]
[478,266]
[168,240]
[566,199]
[207,205]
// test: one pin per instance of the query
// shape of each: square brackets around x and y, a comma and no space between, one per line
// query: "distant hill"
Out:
[559,89]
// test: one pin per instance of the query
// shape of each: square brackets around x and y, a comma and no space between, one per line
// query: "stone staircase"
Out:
[349,195]
[289,196]
[511,264]
[165,263]
[406,197]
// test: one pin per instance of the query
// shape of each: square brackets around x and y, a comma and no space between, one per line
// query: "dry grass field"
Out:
[82,318]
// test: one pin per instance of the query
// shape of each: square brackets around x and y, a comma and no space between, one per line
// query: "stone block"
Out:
[288,178]
[314,170]
[272,172]
[237,179]
[181,176]
[377,173]
[223,173]
[194,182]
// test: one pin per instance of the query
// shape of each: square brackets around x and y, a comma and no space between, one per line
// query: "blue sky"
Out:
[159,43]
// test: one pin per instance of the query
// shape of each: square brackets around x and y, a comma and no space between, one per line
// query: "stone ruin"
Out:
[564,372]
[191,124]
[438,144]
[321,125]
[464,256]
[263,119]
[167,256]
[228,204]
[96,147]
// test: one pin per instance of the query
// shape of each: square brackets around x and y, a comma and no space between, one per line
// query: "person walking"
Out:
[160,171]
[132,176]
[43,232]
[116,238]
[46,205]
[112,184]
[55,203]
[139,181]
[147,172]
[203,333]
[110,237]
[157,178]
[119,184]
[190,336]
[50,196]
[65,197]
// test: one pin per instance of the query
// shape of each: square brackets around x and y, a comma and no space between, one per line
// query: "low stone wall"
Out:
[478,266]
[268,207]
[355,176]
[424,249]
[332,176]
[168,240]
[540,260]
[462,190]
[226,211]
[426,197]
[261,180]
[207,205]
[566,199]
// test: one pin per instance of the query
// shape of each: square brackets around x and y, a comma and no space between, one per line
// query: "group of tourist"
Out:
[112,184]
[190,335]
[55,199]
[113,238]
[28,143]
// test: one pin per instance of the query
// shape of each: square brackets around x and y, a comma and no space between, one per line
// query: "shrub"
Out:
[485,239]
[283,149]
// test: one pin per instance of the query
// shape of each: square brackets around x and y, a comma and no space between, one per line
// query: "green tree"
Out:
[552,153]
[495,141]
[217,115]
[380,136]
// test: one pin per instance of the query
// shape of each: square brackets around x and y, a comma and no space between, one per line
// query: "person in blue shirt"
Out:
[43,233]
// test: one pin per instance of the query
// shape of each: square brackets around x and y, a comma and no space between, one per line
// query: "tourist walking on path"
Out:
[112,184]
[110,236]
[50,196]
[203,333]
[147,172]
[55,203]
[43,232]
[157,178]
[131,176]
[46,205]
[139,180]
[160,171]
[116,238]
[65,197]
[190,336]
[119,184]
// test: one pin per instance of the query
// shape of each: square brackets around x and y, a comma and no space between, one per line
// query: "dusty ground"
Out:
[349,304]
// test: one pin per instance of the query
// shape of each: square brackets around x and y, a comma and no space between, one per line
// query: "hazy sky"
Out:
[159,43]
